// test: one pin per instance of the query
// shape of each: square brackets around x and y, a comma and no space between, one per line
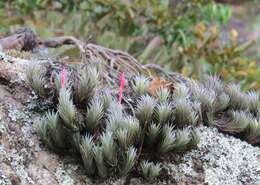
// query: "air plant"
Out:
[105,133]
[206,97]
[164,113]
[55,129]
[239,121]
[109,148]
[153,134]
[195,138]
[114,117]
[238,99]
[100,162]
[132,125]
[89,81]
[50,130]
[67,109]
[163,94]
[124,138]
[253,101]
[253,132]
[184,113]
[221,103]
[35,77]
[87,154]
[213,83]
[128,161]
[140,85]
[168,138]
[149,170]
[106,99]
[181,91]
[42,129]
[94,114]
[182,140]
[145,108]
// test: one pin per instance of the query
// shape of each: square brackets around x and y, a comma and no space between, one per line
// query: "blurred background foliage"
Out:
[184,36]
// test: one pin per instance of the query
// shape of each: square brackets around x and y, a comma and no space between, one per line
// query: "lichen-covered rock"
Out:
[219,159]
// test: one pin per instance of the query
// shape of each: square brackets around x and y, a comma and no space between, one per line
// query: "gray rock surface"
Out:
[220,159]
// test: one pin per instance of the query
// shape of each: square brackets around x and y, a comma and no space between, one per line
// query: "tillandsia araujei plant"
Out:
[228,108]
[111,135]
[131,116]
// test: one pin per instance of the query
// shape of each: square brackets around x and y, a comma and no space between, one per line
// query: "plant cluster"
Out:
[113,138]
[228,108]
[110,137]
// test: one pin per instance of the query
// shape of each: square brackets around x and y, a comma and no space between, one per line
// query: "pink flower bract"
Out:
[63,76]
[122,86]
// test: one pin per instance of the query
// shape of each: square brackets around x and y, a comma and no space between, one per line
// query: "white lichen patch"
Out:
[65,173]
[224,160]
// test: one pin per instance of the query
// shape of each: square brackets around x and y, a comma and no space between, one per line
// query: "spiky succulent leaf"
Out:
[89,81]
[94,114]
[181,139]
[239,121]
[100,163]
[133,127]
[163,94]
[195,138]
[42,130]
[167,141]
[124,138]
[149,170]
[154,171]
[129,161]
[253,133]
[205,96]
[55,129]
[114,117]
[35,77]
[181,91]
[253,99]
[221,102]
[238,100]
[184,113]
[109,148]
[67,109]
[152,134]
[106,99]
[213,83]
[164,113]
[140,85]
[145,108]
[145,168]
[86,151]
